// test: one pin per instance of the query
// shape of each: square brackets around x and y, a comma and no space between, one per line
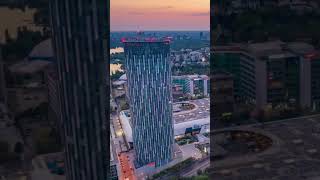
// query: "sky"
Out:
[162,15]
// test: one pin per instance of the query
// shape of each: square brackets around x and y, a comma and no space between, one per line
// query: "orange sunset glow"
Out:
[127,15]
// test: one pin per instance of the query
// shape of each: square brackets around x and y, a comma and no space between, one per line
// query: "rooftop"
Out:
[266,48]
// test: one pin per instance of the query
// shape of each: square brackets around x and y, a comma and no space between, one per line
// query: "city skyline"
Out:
[188,15]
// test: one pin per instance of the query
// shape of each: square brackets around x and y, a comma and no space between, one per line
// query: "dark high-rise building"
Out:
[3,94]
[148,72]
[80,30]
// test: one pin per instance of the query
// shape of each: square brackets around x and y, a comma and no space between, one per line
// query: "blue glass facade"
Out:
[148,71]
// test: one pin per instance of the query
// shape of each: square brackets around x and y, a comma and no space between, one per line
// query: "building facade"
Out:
[3,91]
[222,92]
[79,31]
[270,74]
[148,71]
[194,85]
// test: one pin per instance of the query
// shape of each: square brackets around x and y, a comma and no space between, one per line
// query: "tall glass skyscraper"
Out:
[79,31]
[148,70]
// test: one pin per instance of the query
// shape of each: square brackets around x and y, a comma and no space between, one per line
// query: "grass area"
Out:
[186,140]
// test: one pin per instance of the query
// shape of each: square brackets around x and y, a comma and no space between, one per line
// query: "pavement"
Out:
[294,155]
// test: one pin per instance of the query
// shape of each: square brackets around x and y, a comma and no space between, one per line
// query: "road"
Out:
[126,165]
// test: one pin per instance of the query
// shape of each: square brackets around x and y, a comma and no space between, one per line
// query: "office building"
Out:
[222,91]
[270,74]
[194,85]
[237,61]
[79,29]
[277,75]
[148,70]
[309,74]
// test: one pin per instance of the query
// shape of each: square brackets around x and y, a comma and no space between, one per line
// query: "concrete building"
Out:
[193,85]
[271,73]
[310,74]
[148,71]
[237,61]
[277,73]
[80,32]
